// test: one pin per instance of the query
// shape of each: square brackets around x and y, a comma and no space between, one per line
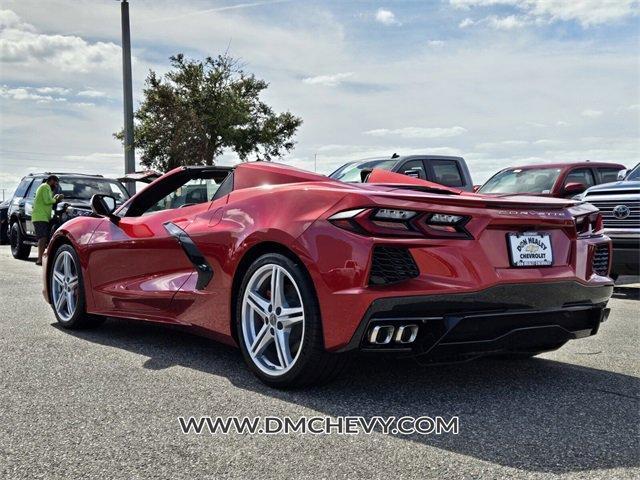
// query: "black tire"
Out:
[314,365]
[19,249]
[80,318]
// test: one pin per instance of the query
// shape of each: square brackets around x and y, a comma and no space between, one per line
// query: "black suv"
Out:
[445,170]
[77,189]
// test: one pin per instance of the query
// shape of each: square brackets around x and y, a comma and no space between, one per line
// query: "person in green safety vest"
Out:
[41,214]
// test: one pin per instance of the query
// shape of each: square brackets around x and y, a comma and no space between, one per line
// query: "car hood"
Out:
[621,185]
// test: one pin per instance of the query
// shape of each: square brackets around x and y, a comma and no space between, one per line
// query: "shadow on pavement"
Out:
[536,415]
[626,293]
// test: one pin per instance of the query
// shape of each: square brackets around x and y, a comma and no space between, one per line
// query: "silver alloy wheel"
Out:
[273,320]
[64,285]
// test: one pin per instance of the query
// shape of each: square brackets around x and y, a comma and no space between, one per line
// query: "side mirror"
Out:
[574,188]
[103,206]
[622,174]
[476,188]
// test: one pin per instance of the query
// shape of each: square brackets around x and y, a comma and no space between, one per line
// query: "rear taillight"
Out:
[387,222]
[590,224]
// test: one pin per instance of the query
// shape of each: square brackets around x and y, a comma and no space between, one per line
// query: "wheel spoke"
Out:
[262,340]
[60,301]
[67,265]
[71,303]
[291,316]
[73,282]
[277,287]
[58,277]
[282,347]
[259,304]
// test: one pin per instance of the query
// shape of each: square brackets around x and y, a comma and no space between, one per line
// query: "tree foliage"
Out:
[199,109]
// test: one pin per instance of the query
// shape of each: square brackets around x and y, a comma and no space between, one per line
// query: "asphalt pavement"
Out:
[104,404]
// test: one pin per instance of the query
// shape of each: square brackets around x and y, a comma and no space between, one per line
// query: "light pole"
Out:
[127,89]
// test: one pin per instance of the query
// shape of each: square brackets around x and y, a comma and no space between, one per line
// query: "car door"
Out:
[581,175]
[137,265]
[445,172]
[607,174]
[28,206]
[413,168]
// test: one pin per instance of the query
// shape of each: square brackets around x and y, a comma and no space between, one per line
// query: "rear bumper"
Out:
[511,317]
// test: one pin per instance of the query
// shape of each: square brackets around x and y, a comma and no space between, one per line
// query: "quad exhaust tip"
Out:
[384,334]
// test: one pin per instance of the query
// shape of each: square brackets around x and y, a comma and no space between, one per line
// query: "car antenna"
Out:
[395,155]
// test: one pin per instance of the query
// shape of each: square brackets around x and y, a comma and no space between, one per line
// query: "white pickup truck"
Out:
[619,203]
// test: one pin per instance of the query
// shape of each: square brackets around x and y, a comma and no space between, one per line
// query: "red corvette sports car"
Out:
[298,269]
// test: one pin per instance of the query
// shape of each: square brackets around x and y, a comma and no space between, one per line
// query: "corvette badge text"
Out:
[346,425]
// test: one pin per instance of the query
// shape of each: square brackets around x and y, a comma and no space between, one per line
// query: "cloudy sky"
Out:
[500,82]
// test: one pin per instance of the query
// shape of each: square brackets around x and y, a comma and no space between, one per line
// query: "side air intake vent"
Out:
[601,259]
[392,265]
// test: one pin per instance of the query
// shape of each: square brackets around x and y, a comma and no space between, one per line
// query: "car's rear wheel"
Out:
[279,326]
[19,249]
[67,290]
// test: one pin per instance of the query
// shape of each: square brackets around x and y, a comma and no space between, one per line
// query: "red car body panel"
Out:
[136,269]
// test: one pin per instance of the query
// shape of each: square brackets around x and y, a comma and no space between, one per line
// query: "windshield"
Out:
[351,171]
[79,188]
[518,180]
[634,174]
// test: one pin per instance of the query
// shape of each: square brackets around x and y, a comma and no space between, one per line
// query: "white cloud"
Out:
[21,44]
[435,43]
[33,94]
[589,113]
[467,22]
[386,17]
[328,80]
[53,90]
[506,23]
[586,12]
[418,132]
[91,93]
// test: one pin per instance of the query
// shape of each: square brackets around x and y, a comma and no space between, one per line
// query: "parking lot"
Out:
[104,403]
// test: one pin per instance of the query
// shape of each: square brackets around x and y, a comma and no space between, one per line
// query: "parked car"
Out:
[448,171]
[4,222]
[563,180]
[298,269]
[619,203]
[77,190]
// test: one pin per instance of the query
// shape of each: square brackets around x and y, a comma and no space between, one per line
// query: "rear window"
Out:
[446,172]
[608,175]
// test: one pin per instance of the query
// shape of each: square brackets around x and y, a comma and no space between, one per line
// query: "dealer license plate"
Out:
[530,249]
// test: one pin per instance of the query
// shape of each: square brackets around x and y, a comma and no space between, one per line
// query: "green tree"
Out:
[199,109]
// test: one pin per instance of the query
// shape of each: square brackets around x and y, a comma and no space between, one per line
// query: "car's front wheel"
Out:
[67,290]
[279,325]
[19,249]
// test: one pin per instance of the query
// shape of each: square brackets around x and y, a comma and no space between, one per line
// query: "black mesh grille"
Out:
[392,265]
[601,259]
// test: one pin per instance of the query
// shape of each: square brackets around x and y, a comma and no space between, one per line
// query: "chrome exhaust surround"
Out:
[385,334]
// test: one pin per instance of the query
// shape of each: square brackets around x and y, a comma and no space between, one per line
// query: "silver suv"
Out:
[619,203]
